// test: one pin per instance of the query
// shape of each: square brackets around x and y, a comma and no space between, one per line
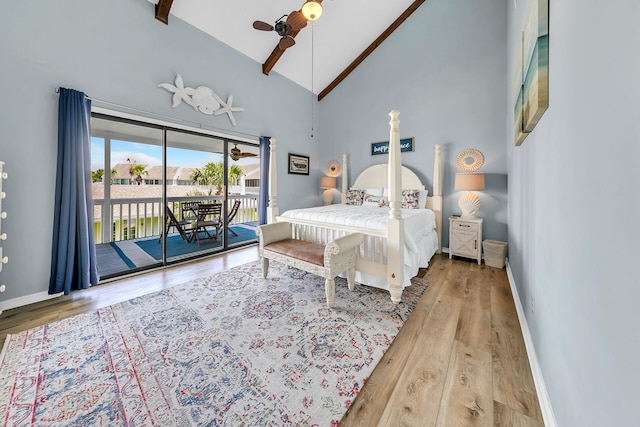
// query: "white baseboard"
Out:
[25,300]
[541,388]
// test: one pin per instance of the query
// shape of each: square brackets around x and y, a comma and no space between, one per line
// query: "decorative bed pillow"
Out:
[370,200]
[422,198]
[371,191]
[410,199]
[354,197]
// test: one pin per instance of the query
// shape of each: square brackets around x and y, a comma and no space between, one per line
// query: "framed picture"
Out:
[298,164]
[531,72]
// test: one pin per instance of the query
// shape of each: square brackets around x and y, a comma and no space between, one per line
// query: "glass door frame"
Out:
[165,127]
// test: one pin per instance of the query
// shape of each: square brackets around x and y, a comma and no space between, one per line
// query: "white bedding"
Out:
[420,236]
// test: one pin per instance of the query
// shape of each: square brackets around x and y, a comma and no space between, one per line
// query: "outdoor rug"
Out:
[232,349]
[177,246]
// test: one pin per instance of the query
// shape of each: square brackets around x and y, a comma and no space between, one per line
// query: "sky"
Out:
[151,155]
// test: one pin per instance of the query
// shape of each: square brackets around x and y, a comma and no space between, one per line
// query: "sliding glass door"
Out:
[127,212]
[195,179]
[170,194]
[243,187]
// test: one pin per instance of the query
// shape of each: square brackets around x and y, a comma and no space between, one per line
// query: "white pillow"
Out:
[370,200]
[371,191]
[422,197]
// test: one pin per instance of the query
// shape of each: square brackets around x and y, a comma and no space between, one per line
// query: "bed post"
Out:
[345,179]
[395,225]
[437,195]
[272,210]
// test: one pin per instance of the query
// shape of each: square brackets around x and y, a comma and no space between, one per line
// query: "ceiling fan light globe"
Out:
[312,10]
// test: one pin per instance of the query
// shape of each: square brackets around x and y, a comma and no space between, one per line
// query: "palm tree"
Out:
[212,175]
[96,176]
[136,170]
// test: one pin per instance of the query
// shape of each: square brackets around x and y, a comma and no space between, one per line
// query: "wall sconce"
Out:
[328,183]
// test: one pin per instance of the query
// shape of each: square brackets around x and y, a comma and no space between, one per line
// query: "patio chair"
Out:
[232,214]
[209,215]
[181,226]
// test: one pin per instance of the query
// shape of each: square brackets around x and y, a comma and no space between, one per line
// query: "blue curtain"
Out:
[73,253]
[263,196]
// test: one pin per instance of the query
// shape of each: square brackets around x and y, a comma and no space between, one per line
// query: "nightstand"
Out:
[465,238]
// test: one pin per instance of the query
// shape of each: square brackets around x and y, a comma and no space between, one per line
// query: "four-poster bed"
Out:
[397,241]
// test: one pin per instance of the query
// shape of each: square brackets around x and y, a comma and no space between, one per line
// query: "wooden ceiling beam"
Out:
[163,7]
[275,55]
[377,42]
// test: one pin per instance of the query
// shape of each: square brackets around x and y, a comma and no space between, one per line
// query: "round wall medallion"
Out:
[470,160]
[333,168]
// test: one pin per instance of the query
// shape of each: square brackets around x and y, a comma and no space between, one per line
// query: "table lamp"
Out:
[328,183]
[469,202]
[469,161]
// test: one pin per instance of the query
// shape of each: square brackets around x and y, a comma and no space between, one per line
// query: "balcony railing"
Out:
[135,218]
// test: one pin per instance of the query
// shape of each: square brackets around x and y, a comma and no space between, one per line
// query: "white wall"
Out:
[116,51]
[572,202]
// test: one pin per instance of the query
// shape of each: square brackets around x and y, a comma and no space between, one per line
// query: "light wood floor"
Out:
[459,360]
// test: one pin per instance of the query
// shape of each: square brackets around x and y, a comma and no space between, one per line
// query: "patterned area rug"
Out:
[232,349]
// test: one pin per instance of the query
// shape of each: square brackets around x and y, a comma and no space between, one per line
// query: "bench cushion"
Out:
[299,249]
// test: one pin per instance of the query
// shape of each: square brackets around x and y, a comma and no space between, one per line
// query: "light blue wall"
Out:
[116,51]
[444,69]
[573,198]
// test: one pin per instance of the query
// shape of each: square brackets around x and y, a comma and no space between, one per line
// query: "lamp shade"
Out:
[469,181]
[311,10]
[469,202]
[328,182]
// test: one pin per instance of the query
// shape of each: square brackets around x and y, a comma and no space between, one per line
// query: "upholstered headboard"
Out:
[376,176]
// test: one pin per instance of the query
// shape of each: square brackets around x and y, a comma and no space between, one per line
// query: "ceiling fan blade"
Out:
[286,42]
[296,20]
[248,155]
[263,26]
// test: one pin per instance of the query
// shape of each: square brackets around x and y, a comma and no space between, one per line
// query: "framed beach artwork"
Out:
[298,164]
[531,91]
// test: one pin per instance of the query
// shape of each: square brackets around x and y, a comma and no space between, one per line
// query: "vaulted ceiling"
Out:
[325,50]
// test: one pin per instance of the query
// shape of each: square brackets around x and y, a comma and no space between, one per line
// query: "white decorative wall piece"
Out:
[470,160]
[333,168]
[202,99]
[3,215]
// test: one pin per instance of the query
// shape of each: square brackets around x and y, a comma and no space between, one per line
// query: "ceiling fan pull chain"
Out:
[311,79]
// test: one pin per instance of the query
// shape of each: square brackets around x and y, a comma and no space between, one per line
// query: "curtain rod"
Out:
[172,119]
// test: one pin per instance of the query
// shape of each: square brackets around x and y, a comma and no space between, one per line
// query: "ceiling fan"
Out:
[295,21]
[236,154]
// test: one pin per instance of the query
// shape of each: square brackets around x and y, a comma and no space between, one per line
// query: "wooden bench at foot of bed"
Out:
[327,261]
